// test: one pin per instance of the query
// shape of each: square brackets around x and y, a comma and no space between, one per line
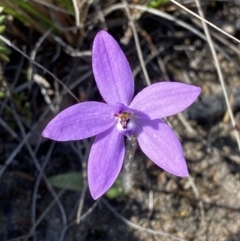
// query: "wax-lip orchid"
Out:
[121,116]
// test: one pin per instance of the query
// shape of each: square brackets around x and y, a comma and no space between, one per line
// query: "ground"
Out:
[156,205]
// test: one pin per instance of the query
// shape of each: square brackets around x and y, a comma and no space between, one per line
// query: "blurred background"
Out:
[45,66]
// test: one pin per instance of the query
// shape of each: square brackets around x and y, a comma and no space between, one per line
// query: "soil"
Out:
[203,207]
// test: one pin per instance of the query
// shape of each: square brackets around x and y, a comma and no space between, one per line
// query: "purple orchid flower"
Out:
[121,116]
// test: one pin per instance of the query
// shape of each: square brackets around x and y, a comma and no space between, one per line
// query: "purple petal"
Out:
[165,99]
[80,121]
[105,161]
[111,70]
[161,145]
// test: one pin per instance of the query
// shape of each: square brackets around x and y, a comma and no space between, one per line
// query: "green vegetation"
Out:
[4,51]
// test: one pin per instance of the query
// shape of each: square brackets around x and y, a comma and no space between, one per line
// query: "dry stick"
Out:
[201,17]
[155,53]
[34,52]
[30,70]
[149,58]
[16,77]
[37,145]
[86,214]
[8,128]
[60,27]
[83,159]
[55,200]
[220,76]
[184,120]
[150,204]
[219,37]
[85,185]
[39,219]
[19,238]
[26,137]
[189,129]
[20,145]
[161,64]
[45,113]
[197,194]
[35,190]
[53,7]
[136,39]
[9,43]
[137,227]
[32,154]
[70,50]
[17,73]
[77,13]
[84,5]
[78,81]
[62,211]
[14,153]
[98,10]
[168,17]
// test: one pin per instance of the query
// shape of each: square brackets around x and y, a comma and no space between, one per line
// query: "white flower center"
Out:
[125,123]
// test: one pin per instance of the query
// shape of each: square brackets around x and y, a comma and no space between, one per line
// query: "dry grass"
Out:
[50,69]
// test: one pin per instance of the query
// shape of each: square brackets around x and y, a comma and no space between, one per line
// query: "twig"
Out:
[76,82]
[85,184]
[34,52]
[150,204]
[20,237]
[149,58]
[201,17]
[46,4]
[77,13]
[86,214]
[35,190]
[135,226]
[70,50]
[33,156]
[219,71]
[8,128]
[56,199]
[136,39]
[161,64]
[17,73]
[20,145]
[36,77]
[99,11]
[40,80]
[29,148]
[168,17]
[219,37]
[14,153]
[9,43]
[197,195]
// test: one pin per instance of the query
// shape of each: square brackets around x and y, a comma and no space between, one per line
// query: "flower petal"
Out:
[161,145]
[111,70]
[105,161]
[80,121]
[165,99]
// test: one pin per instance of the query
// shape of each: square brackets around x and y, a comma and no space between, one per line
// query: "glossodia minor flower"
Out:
[123,116]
